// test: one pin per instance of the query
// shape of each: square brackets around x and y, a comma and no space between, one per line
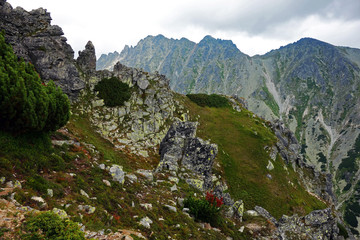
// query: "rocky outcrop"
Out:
[289,149]
[87,59]
[141,124]
[319,224]
[181,147]
[37,41]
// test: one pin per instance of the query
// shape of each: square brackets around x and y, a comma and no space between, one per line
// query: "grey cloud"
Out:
[262,16]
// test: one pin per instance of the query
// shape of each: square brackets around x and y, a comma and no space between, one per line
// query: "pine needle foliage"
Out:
[26,103]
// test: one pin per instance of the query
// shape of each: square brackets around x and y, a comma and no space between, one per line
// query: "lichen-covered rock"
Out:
[146,221]
[37,41]
[319,224]
[117,173]
[238,207]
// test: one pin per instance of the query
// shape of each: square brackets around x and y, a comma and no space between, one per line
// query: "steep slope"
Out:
[311,85]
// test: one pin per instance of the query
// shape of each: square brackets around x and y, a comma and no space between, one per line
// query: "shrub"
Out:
[205,209]
[213,100]
[27,104]
[113,91]
[49,225]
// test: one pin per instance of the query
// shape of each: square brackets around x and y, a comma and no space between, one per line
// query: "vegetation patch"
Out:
[213,100]
[26,103]
[49,225]
[113,91]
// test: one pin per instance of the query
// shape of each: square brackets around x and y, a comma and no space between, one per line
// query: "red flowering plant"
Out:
[205,209]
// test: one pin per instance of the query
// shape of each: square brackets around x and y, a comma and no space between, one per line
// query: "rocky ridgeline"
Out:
[143,121]
[287,146]
[37,41]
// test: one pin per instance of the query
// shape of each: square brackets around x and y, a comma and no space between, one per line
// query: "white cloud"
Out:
[256,27]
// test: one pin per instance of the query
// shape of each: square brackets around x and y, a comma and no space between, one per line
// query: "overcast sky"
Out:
[255,26]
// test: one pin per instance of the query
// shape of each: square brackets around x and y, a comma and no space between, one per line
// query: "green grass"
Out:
[241,140]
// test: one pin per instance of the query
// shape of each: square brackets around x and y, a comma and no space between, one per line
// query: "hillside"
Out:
[310,85]
[139,161]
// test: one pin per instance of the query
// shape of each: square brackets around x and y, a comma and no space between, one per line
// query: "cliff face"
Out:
[36,40]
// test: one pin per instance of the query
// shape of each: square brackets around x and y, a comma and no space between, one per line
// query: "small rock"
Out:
[270,166]
[173,188]
[132,177]
[147,206]
[82,192]
[269,176]
[146,173]
[106,182]
[17,184]
[62,214]
[9,184]
[252,213]
[146,222]
[180,202]
[174,179]
[102,166]
[50,192]
[38,199]
[186,210]
[2,180]
[242,229]
[117,173]
[171,208]
[132,204]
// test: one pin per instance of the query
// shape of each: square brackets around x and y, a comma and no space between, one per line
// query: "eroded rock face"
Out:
[289,149]
[37,41]
[319,224]
[87,59]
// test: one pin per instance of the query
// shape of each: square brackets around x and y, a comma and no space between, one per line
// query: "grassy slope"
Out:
[241,139]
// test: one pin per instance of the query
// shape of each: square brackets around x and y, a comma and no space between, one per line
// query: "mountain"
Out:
[311,85]
[157,164]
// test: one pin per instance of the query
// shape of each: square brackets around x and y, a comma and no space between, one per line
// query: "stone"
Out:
[38,199]
[2,180]
[146,173]
[197,183]
[82,192]
[50,192]
[147,206]
[62,214]
[238,207]
[106,182]
[132,177]
[180,202]
[102,166]
[174,179]
[269,176]
[146,221]
[17,184]
[9,184]
[252,213]
[117,173]
[173,188]
[171,208]
[270,166]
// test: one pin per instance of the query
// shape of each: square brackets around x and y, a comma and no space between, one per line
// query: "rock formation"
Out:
[87,59]
[37,41]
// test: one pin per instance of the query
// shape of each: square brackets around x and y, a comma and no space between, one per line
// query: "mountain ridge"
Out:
[313,86]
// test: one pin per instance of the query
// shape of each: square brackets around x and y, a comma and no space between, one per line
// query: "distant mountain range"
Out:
[311,85]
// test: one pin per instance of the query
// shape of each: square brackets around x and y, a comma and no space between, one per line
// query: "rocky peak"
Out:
[87,59]
[37,41]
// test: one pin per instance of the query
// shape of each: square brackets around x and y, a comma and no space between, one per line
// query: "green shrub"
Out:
[49,225]
[206,210]
[213,100]
[113,91]
[342,231]
[27,104]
